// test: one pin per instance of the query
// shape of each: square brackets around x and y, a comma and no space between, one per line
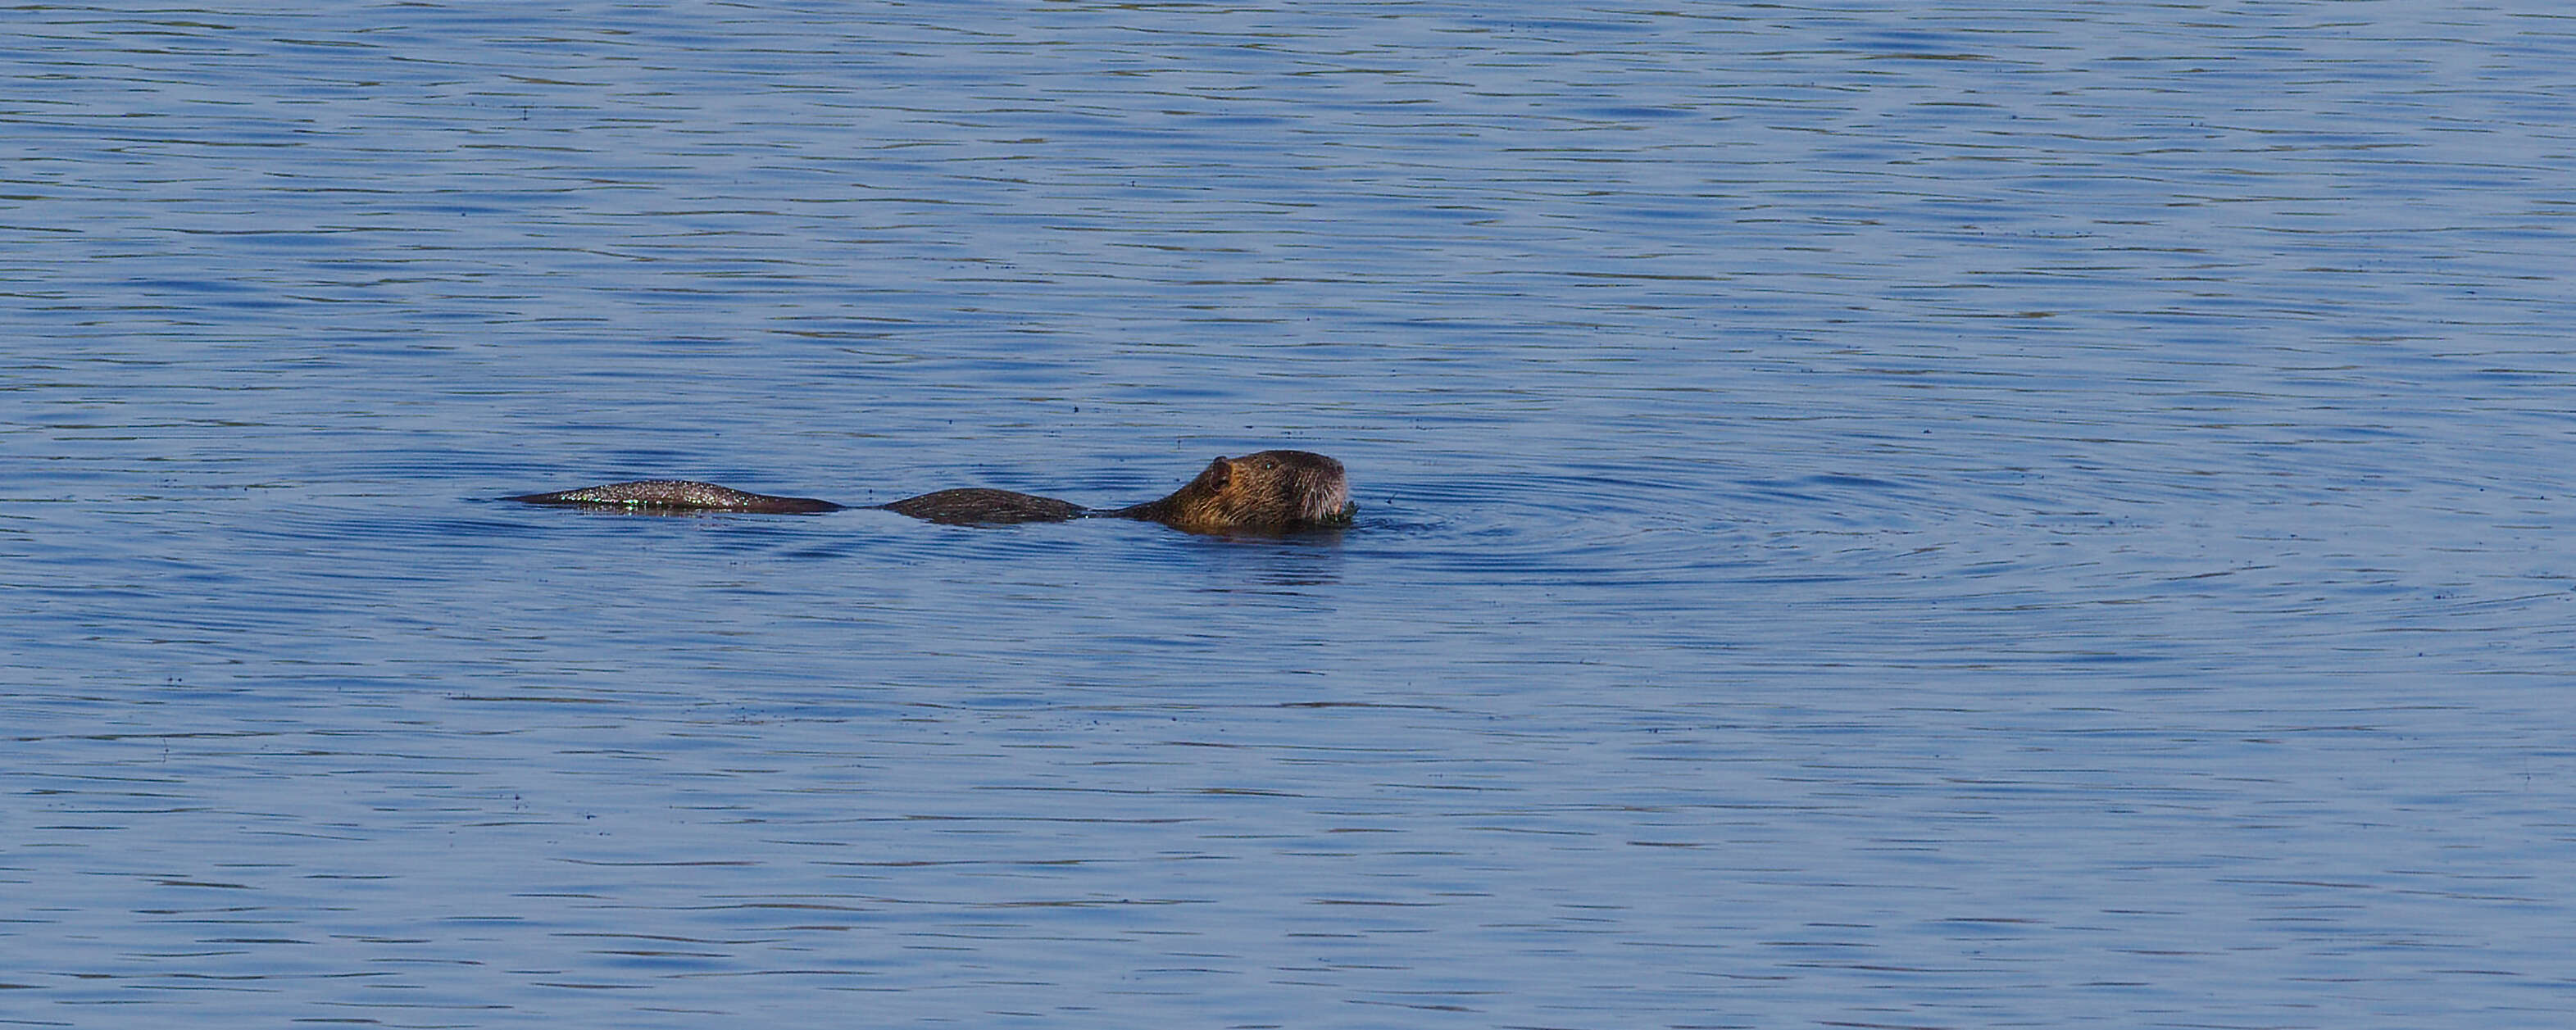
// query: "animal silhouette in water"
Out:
[1268,492]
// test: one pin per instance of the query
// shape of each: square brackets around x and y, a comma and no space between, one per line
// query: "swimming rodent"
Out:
[1268,492]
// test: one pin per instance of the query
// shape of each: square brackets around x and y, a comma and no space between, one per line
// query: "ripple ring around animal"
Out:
[1268,492]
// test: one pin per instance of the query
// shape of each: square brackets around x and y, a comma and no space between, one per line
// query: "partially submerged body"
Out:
[977,506]
[1268,492]
[1272,491]
[677,495]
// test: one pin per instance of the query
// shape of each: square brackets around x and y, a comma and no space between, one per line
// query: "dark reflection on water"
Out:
[1869,515]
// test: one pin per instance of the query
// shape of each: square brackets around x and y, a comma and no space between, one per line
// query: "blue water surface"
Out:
[2005,514]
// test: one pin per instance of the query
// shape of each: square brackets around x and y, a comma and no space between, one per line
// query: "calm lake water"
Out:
[2019,514]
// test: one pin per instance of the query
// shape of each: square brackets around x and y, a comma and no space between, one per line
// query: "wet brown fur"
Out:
[1268,492]
[975,506]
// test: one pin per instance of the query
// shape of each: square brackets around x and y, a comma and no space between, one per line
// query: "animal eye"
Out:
[1270,466]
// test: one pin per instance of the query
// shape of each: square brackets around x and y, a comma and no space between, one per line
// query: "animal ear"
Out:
[1218,473]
